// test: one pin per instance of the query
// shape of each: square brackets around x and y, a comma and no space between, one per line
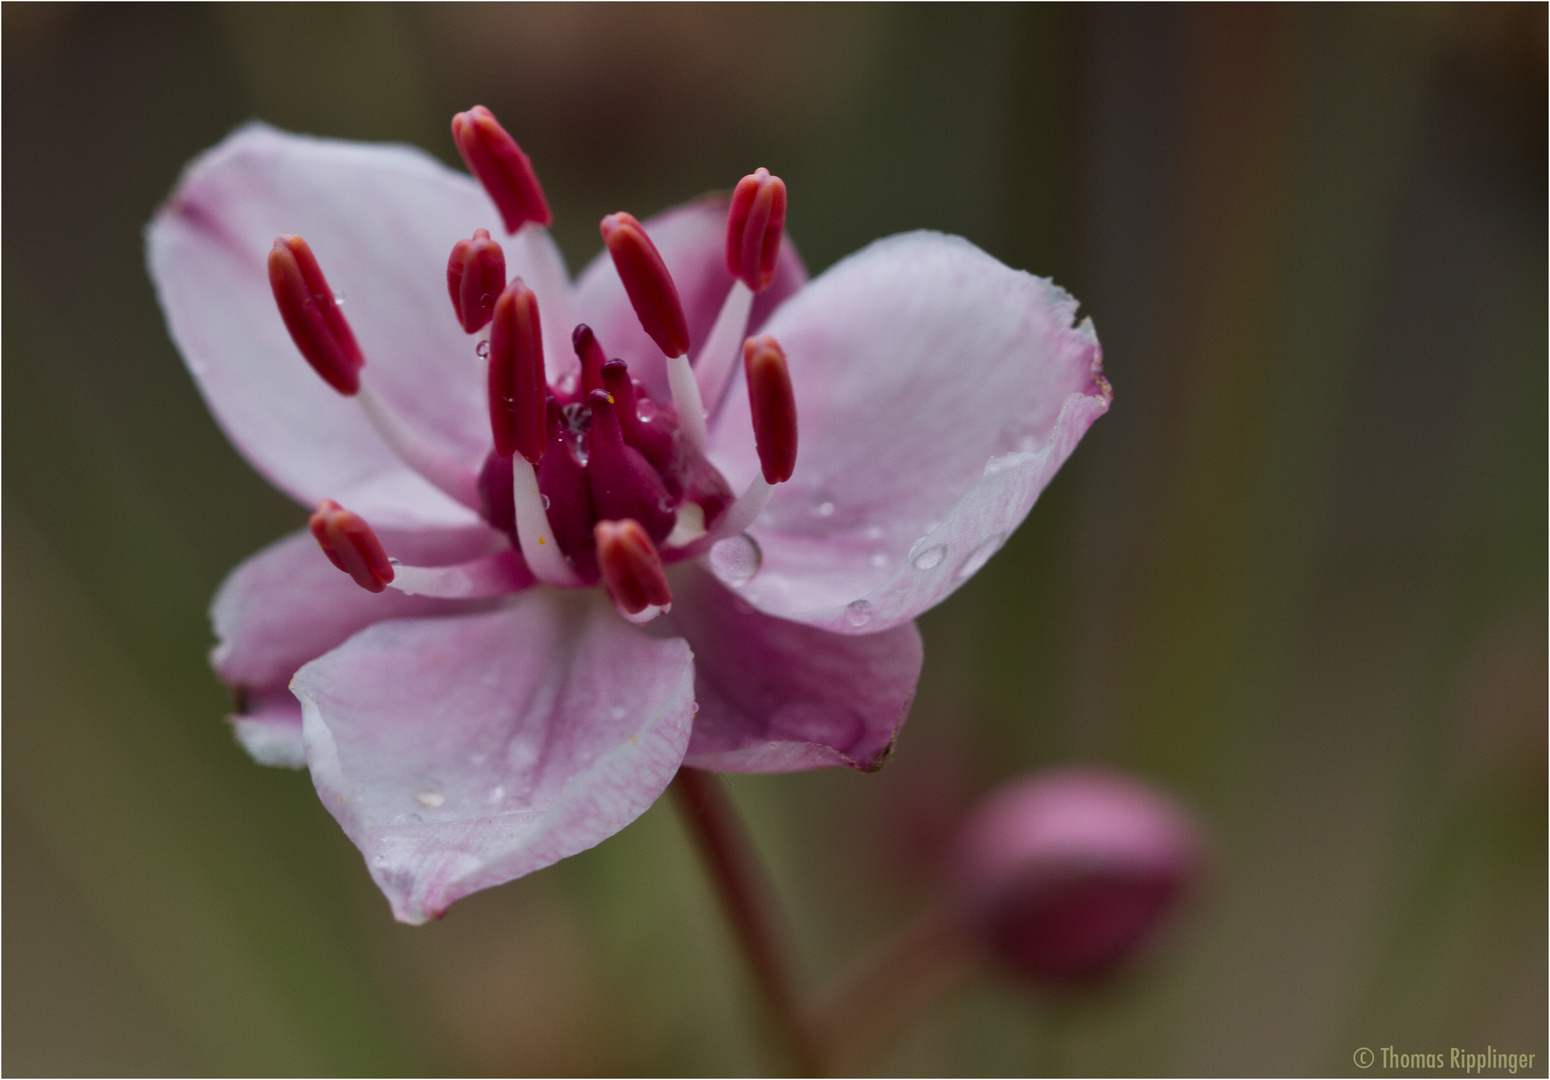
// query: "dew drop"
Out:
[339,299]
[616,711]
[880,559]
[497,794]
[931,558]
[858,612]
[483,350]
[736,559]
[545,498]
[665,504]
[824,509]
[981,555]
[646,409]
[430,798]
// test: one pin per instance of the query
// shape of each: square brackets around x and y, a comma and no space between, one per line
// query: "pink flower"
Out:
[486,725]
[1069,874]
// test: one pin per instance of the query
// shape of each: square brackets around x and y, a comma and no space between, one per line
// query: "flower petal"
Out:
[778,696]
[461,753]
[288,604]
[937,393]
[381,220]
[269,728]
[692,240]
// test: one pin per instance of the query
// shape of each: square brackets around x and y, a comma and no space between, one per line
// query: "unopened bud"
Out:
[476,274]
[773,406]
[631,566]
[312,315]
[647,283]
[1067,875]
[755,223]
[501,166]
[516,375]
[350,545]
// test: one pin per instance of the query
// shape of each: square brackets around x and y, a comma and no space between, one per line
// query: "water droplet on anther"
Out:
[981,555]
[930,558]
[736,559]
[858,612]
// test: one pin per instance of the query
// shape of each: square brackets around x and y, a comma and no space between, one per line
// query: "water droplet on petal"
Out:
[497,794]
[824,509]
[736,559]
[880,559]
[858,612]
[483,350]
[616,711]
[430,798]
[931,558]
[981,555]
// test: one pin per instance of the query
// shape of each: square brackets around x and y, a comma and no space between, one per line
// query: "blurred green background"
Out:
[1297,575]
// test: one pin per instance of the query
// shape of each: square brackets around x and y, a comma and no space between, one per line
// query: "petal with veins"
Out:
[778,696]
[937,393]
[461,753]
[692,241]
[381,220]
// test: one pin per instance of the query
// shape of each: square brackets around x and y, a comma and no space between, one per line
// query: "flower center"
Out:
[590,478]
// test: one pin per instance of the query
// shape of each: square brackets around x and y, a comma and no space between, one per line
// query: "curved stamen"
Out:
[631,567]
[494,575]
[476,275]
[324,338]
[505,171]
[351,545]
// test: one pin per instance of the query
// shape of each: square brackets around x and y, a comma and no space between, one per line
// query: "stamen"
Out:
[631,566]
[540,547]
[494,575]
[312,315]
[622,481]
[516,375]
[714,364]
[647,283]
[754,227]
[416,451]
[350,545]
[652,441]
[592,358]
[773,407]
[476,274]
[505,171]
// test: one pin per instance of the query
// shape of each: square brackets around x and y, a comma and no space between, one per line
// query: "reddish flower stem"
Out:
[745,896]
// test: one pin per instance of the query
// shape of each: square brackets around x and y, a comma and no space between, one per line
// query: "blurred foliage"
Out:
[1298,574]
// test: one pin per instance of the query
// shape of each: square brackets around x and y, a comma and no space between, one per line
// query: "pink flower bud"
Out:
[755,223]
[350,545]
[517,388]
[476,274]
[631,566]
[1068,874]
[501,166]
[773,406]
[312,315]
[647,283]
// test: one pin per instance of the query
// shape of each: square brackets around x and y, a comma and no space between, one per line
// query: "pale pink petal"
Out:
[270,728]
[381,220]
[937,393]
[461,753]
[778,696]
[692,239]
[289,604]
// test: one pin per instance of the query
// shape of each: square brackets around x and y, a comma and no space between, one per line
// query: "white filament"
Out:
[494,575]
[417,452]
[539,547]
[718,356]
[551,284]
[686,399]
[741,514]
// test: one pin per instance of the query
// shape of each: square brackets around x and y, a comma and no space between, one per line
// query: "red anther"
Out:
[516,377]
[631,566]
[647,283]
[312,314]
[622,482]
[592,358]
[654,442]
[476,274]
[773,406]
[350,545]
[754,227]
[501,166]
